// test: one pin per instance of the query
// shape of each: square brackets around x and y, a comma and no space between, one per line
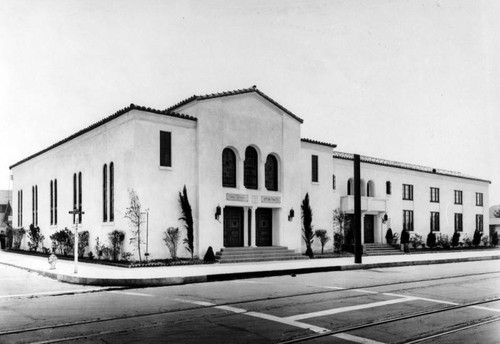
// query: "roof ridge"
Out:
[105,120]
[407,166]
[236,92]
[322,143]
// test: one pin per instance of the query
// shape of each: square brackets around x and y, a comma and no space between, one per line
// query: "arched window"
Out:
[228,168]
[80,197]
[251,168]
[334,183]
[370,189]
[111,192]
[55,201]
[388,187]
[350,191]
[105,193]
[271,173]
[74,196]
[51,202]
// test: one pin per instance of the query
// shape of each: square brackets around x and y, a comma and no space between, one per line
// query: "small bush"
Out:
[416,240]
[171,236]
[476,240]
[17,237]
[116,238]
[323,238]
[209,256]
[83,242]
[494,239]
[389,236]
[485,240]
[455,240]
[443,241]
[63,241]
[467,241]
[431,239]
[337,240]
[35,238]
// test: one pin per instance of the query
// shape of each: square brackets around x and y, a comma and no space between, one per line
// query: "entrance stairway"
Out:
[380,250]
[256,254]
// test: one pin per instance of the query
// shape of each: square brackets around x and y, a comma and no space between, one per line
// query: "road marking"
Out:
[232,309]
[486,308]
[365,291]
[199,303]
[355,339]
[54,293]
[348,309]
[327,287]
[287,321]
[131,293]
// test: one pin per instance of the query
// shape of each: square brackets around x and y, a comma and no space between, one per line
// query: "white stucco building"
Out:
[240,152]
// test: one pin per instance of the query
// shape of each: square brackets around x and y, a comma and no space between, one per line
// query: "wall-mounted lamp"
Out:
[385,218]
[217,212]
[291,215]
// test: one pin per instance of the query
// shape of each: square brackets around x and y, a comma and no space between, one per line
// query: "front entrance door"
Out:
[264,230]
[233,227]
[369,236]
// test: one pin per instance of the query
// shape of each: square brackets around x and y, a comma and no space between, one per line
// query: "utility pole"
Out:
[358,248]
[75,248]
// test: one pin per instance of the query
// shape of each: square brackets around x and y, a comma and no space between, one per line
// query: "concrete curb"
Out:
[168,281]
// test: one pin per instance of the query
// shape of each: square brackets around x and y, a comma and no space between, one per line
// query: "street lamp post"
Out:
[75,212]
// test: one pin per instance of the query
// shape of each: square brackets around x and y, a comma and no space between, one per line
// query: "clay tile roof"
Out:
[406,166]
[233,93]
[319,143]
[104,121]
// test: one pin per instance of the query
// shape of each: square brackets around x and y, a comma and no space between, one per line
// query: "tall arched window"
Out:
[370,189]
[388,187]
[80,197]
[55,201]
[228,168]
[51,202]
[251,168]
[334,182]
[74,196]
[271,173]
[111,192]
[350,191]
[105,193]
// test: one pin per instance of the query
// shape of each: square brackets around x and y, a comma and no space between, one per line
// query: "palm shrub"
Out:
[338,238]
[455,239]
[116,238]
[171,236]
[187,217]
[485,240]
[307,229]
[341,228]
[443,241]
[416,240]
[35,237]
[476,239]
[323,238]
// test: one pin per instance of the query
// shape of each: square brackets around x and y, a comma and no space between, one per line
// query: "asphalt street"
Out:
[445,303]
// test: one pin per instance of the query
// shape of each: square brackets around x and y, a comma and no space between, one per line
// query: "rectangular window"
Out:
[20,208]
[458,197]
[334,183]
[434,221]
[388,187]
[80,197]
[479,222]
[408,192]
[165,148]
[51,202]
[435,195]
[74,197]
[314,168]
[479,199]
[458,222]
[408,220]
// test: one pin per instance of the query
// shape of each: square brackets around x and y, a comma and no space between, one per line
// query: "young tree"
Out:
[134,214]
[307,229]
[187,217]
[340,228]
[323,238]
[116,238]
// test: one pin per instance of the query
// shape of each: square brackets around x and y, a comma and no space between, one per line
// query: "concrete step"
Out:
[256,254]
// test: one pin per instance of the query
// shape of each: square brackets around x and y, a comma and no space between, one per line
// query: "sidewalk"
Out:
[104,275]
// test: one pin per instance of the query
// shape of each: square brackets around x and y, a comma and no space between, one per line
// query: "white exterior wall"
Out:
[322,197]
[237,122]
[421,205]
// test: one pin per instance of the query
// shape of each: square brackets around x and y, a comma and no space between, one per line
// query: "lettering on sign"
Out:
[236,197]
[271,199]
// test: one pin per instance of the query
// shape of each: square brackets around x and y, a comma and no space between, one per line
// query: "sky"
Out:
[412,81]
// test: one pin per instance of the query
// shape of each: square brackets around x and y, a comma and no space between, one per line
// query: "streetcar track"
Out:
[173,311]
